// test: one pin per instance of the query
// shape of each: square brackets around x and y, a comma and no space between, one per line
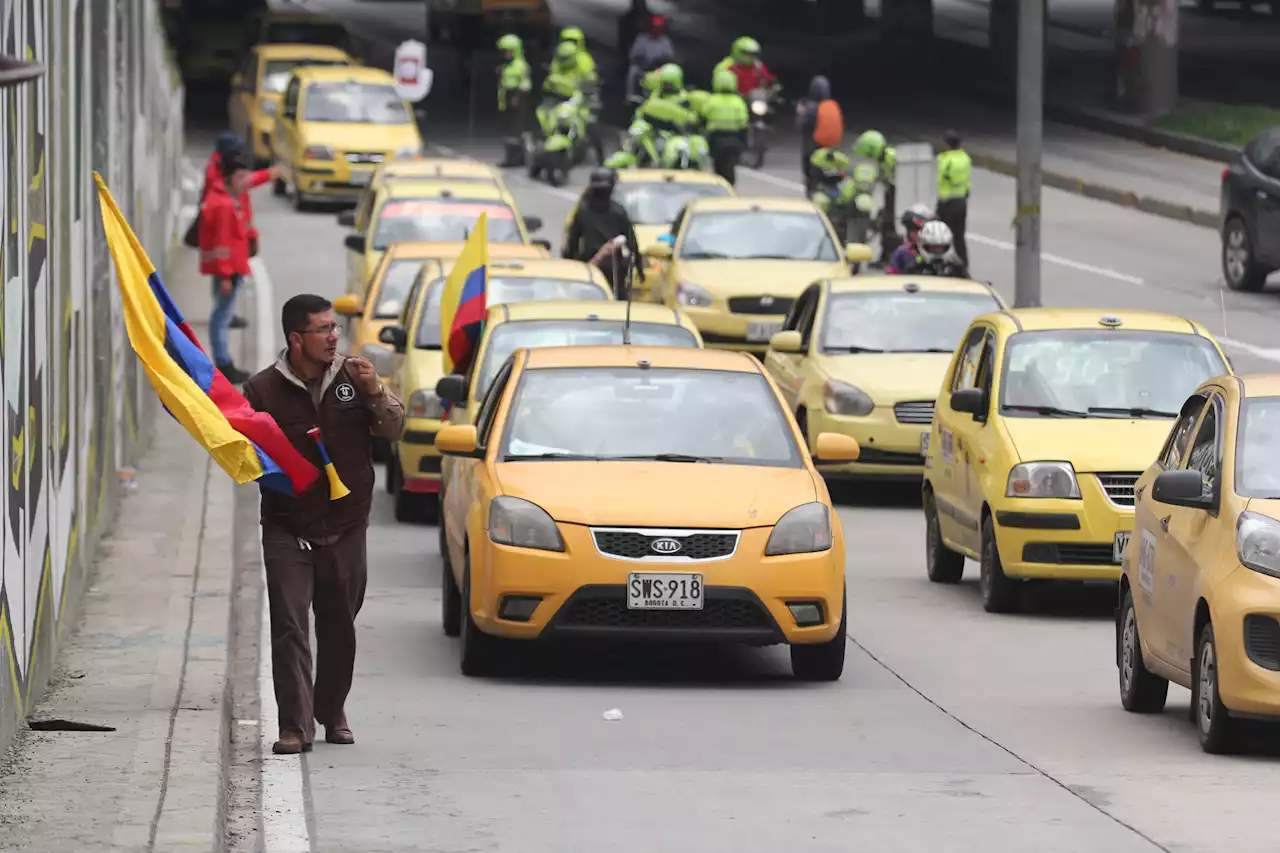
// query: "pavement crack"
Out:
[1006,750]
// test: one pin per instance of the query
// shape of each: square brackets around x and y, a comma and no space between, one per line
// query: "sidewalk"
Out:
[148,659]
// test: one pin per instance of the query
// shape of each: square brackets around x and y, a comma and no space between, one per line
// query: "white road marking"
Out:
[1268,353]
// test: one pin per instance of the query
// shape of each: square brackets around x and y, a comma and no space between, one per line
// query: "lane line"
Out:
[1268,353]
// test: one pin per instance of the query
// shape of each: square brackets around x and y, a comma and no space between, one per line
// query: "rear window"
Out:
[499,291]
[442,221]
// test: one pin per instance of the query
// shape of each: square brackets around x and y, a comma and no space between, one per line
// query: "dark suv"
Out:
[1251,213]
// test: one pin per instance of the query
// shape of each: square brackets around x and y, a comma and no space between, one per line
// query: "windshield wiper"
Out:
[526,457]
[852,349]
[1135,411]
[1048,410]
[768,258]
[703,256]
[667,457]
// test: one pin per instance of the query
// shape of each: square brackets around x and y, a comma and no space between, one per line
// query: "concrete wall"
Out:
[73,394]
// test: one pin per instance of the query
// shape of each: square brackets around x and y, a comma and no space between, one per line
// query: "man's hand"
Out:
[276,172]
[362,372]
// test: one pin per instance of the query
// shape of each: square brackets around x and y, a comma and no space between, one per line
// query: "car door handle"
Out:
[1164,523]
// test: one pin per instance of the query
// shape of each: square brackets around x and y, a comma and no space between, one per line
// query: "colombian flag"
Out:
[245,443]
[463,305]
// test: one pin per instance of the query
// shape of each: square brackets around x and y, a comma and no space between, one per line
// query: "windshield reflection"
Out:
[658,203]
[758,234]
[901,322]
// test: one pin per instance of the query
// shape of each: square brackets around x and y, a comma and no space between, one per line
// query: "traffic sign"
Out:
[413,77]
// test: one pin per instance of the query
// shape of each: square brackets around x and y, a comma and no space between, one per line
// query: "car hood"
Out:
[1092,445]
[659,494]
[421,370]
[384,138]
[889,378]
[758,277]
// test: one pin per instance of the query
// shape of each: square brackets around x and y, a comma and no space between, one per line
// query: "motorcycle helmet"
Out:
[870,144]
[915,216]
[746,51]
[566,53]
[574,36]
[601,179]
[510,43]
[671,77]
[935,240]
[725,83]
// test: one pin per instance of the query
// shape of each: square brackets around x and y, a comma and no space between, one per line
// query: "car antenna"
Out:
[620,246]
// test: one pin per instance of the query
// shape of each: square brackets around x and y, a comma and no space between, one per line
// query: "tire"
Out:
[300,204]
[450,595]
[941,563]
[1240,267]
[1219,733]
[1000,593]
[478,648]
[823,661]
[1141,691]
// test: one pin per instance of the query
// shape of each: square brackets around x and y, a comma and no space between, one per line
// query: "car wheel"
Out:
[477,646]
[450,595]
[1219,733]
[1000,593]
[942,564]
[1239,266]
[1141,691]
[823,661]
[300,204]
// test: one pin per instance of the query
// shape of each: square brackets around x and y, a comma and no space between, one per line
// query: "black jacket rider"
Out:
[598,220]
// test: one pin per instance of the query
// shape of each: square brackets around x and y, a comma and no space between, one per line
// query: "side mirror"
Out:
[354,242]
[659,252]
[858,253]
[348,305]
[970,401]
[542,244]
[788,341]
[1181,488]
[833,447]
[457,440]
[452,388]
[533,223]
[347,218]
[395,337]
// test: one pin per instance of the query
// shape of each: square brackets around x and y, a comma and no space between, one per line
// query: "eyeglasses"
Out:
[331,329]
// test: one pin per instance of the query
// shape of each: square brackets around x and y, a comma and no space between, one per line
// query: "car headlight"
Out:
[317,152]
[759,108]
[425,404]
[1043,480]
[841,398]
[1258,543]
[268,108]
[515,521]
[691,296]
[802,530]
[379,356]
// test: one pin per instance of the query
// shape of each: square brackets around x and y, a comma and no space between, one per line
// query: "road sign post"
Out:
[1026,286]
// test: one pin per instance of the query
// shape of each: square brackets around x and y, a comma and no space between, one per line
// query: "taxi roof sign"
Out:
[1111,321]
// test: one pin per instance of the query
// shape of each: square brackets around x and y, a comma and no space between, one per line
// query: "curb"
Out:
[1153,136]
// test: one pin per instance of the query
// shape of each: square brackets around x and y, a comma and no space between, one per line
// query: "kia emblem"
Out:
[766,300]
[665,545]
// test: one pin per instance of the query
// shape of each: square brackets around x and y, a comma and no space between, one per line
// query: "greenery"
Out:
[1230,124]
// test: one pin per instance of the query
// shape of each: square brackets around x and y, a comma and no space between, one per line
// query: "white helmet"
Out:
[935,240]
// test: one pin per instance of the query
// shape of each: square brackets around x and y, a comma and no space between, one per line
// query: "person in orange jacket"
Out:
[225,226]
[227,146]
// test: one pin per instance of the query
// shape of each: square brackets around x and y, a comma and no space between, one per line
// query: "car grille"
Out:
[1119,487]
[365,156]
[871,456]
[638,544]
[776,305]
[916,412]
[606,607]
[1262,641]
[1069,553]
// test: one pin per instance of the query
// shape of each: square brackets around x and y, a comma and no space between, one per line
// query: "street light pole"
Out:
[1031,14]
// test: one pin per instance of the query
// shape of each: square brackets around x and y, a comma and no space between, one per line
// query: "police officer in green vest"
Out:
[955,169]
[515,83]
[724,123]
[667,109]
[872,145]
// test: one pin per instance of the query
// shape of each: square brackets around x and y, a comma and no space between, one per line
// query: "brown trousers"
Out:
[331,580]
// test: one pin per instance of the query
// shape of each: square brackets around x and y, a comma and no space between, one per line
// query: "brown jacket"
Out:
[348,421]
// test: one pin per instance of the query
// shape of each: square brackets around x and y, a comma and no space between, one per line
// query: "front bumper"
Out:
[1060,539]
[583,593]
[887,448]
[419,459]
[1245,608]
[336,180]
[722,329]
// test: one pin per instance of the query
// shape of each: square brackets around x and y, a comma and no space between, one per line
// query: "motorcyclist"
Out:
[667,109]
[586,65]
[903,257]
[936,256]
[872,145]
[651,50]
[637,148]
[596,222]
[829,167]
[807,123]
[571,58]
[515,83]
[724,122]
[745,63]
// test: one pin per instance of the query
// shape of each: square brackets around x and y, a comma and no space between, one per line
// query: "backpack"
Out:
[828,128]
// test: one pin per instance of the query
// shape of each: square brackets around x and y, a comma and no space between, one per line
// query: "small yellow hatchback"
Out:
[1044,422]
[258,88]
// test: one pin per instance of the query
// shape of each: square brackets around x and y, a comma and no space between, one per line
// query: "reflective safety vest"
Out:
[955,170]
[516,77]
[888,165]
[725,113]
[667,112]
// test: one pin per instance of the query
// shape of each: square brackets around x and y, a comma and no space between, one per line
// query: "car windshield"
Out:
[438,220]
[354,103]
[758,234]
[668,414]
[1104,373]
[500,290]
[897,321]
[275,77]
[531,334]
[396,283]
[1257,439]
[659,202]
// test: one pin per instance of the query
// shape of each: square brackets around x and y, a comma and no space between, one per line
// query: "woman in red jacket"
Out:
[225,226]
[229,145]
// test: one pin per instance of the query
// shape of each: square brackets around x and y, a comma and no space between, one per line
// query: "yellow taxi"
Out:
[865,356]
[334,126]
[413,468]
[433,212]
[1044,421]
[291,23]
[453,170]
[258,87]
[1200,593]
[737,264]
[653,198]
[628,492]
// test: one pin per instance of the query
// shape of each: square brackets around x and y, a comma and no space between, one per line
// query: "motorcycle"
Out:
[638,148]
[687,150]
[563,126]
[762,105]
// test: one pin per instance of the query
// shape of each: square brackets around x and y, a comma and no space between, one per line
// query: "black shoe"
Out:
[234,375]
[239,323]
